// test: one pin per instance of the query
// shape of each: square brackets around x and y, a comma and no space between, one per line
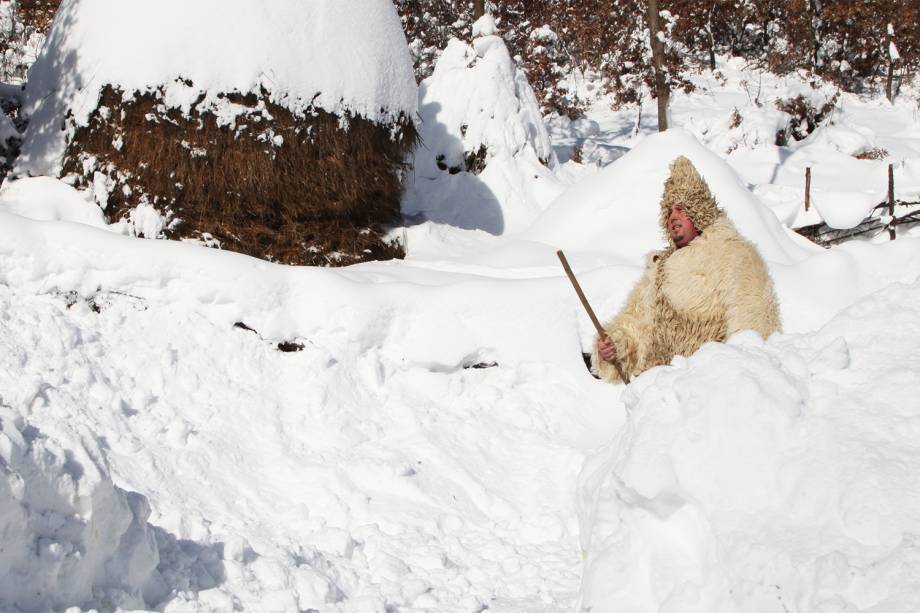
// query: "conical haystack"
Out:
[273,129]
[485,161]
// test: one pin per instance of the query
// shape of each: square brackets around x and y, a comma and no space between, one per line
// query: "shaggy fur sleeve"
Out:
[629,330]
[747,292]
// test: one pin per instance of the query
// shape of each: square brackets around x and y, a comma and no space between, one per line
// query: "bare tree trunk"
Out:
[479,8]
[639,118]
[889,85]
[712,40]
[662,93]
[14,17]
[814,10]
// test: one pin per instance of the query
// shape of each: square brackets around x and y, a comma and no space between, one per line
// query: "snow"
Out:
[478,103]
[7,131]
[616,210]
[845,209]
[363,457]
[377,467]
[69,534]
[793,488]
[893,54]
[365,69]
[47,199]
[429,439]
[735,113]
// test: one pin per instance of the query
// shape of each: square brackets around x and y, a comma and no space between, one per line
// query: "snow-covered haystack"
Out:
[70,537]
[485,159]
[767,477]
[278,130]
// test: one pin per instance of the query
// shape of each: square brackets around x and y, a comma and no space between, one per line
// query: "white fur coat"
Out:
[710,289]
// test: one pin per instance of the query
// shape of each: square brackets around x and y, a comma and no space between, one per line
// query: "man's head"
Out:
[686,190]
[681,227]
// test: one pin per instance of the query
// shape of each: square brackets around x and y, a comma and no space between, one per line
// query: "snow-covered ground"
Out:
[776,476]
[735,113]
[423,435]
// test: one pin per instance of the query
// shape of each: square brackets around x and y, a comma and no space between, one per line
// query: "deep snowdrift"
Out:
[616,210]
[379,467]
[767,477]
[70,537]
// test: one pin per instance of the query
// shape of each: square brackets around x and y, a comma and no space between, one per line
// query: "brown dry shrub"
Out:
[874,153]
[323,196]
[735,120]
[38,14]
[805,118]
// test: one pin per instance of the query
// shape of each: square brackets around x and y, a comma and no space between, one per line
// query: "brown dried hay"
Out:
[322,196]
[37,14]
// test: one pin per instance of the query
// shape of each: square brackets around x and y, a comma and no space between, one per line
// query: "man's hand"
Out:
[606,349]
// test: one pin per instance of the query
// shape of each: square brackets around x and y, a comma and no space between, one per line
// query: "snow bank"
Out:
[485,159]
[422,449]
[774,476]
[375,467]
[70,536]
[845,209]
[47,199]
[335,55]
[616,210]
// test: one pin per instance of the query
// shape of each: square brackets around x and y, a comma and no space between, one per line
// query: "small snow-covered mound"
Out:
[485,159]
[47,199]
[70,536]
[768,477]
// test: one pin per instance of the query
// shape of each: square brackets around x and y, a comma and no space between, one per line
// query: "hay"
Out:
[317,189]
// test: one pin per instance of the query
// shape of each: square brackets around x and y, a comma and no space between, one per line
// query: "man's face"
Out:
[681,228]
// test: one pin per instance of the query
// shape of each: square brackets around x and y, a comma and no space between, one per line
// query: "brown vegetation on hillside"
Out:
[37,14]
[839,40]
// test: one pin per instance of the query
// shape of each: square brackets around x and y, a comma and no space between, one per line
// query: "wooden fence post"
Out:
[807,187]
[891,231]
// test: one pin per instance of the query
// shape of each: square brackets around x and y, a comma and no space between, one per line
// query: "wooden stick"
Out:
[807,187]
[584,302]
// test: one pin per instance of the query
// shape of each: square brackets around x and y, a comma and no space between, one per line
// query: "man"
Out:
[706,285]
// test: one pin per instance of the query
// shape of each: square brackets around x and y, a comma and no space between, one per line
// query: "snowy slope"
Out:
[378,468]
[434,442]
[369,469]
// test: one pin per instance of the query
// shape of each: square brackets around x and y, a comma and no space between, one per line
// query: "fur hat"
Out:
[687,188]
